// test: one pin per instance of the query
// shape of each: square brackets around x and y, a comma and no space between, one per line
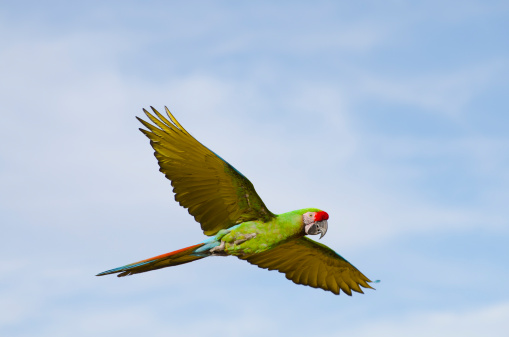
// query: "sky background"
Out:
[392,116]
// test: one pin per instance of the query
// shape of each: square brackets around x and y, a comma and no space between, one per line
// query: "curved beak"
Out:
[322,227]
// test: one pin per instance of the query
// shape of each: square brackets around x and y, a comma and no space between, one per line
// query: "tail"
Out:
[175,258]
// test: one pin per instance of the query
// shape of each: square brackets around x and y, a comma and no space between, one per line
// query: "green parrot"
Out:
[239,224]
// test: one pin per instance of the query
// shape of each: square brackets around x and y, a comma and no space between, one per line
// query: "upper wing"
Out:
[215,193]
[310,263]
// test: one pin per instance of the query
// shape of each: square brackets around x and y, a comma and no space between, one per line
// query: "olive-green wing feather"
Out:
[310,263]
[214,192]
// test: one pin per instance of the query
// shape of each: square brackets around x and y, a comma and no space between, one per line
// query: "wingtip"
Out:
[174,120]
[369,285]
[141,121]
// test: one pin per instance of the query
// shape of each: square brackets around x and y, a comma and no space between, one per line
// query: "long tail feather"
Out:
[177,257]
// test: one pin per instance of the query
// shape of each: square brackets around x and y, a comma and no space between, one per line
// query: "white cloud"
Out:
[484,321]
[447,93]
[144,320]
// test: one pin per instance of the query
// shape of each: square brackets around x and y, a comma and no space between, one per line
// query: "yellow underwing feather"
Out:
[213,191]
[308,262]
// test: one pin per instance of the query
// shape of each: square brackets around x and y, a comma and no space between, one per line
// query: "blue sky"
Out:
[391,117]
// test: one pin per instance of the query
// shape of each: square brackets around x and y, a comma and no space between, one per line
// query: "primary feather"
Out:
[214,192]
[318,266]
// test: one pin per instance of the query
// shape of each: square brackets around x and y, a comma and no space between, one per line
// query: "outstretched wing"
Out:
[214,192]
[310,263]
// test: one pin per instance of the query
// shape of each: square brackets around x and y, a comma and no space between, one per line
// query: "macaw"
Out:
[239,224]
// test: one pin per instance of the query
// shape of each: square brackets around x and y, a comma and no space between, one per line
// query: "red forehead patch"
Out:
[320,216]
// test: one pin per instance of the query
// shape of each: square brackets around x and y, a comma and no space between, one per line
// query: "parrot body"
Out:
[254,237]
[239,224]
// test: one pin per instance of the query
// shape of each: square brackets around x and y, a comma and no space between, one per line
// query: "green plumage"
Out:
[269,234]
[229,210]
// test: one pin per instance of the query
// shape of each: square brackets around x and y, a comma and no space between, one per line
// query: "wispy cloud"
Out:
[295,106]
[489,320]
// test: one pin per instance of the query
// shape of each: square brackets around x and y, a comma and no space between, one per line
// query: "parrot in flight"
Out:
[239,224]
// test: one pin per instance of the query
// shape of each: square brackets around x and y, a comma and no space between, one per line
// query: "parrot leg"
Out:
[218,250]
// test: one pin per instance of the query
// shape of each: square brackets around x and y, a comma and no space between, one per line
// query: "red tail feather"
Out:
[183,251]
[174,258]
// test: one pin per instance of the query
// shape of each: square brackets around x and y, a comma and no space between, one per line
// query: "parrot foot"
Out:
[218,250]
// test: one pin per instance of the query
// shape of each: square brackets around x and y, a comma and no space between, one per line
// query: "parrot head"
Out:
[315,223]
